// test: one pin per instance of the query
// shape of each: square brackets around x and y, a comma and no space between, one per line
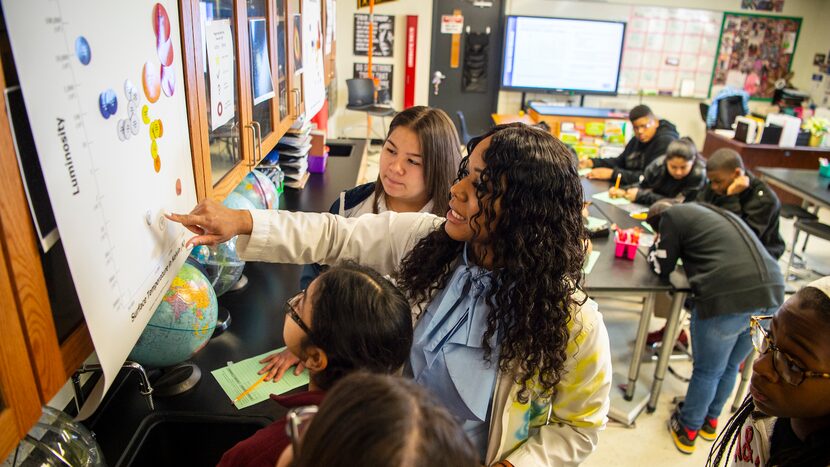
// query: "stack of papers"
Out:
[293,153]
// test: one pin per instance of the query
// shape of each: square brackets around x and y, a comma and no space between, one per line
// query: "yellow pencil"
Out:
[617,185]
[248,391]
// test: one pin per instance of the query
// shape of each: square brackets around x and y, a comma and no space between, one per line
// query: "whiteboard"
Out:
[663,47]
[104,87]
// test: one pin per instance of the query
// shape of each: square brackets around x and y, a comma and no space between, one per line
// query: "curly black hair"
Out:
[538,247]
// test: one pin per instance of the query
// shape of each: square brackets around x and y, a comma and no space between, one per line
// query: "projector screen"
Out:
[562,55]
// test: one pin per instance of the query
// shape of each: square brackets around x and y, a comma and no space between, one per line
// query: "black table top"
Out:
[799,182]
[256,327]
[612,274]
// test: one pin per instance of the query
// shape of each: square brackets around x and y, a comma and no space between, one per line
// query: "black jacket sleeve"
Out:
[759,209]
[665,251]
[619,161]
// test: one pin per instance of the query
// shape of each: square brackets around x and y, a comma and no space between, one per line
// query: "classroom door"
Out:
[465,67]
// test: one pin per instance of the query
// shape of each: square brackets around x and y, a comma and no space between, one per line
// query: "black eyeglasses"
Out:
[296,424]
[783,364]
[291,310]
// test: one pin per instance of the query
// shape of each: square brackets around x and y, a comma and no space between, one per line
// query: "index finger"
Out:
[185,219]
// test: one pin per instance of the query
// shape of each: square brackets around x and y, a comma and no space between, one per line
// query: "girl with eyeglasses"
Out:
[349,319]
[380,421]
[504,336]
[786,419]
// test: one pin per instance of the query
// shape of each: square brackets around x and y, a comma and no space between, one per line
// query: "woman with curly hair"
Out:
[504,335]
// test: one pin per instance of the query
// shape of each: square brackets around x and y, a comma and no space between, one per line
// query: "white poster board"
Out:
[314,84]
[219,41]
[104,87]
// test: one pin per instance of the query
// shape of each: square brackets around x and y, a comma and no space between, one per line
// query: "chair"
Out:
[362,99]
[809,227]
[704,110]
[794,211]
[462,125]
[728,109]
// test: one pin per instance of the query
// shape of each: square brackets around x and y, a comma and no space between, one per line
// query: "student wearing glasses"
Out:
[651,139]
[376,420]
[786,419]
[349,319]
[732,277]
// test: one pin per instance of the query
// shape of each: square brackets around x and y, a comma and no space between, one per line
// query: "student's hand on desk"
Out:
[631,194]
[738,185]
[616,192]
[213,223]
[586,164]
[278,363]
[602,173]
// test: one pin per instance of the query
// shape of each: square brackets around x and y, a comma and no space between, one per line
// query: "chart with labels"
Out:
[103,84]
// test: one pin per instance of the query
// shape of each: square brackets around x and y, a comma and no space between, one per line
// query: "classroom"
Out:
[509,233]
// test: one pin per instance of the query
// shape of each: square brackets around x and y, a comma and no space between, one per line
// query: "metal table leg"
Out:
[639,345]
[669,337]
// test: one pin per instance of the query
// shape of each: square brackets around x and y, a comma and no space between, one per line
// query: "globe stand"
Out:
[240,285]
[223,321]
[176,379]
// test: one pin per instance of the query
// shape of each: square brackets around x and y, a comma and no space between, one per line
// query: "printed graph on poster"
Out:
[109,120]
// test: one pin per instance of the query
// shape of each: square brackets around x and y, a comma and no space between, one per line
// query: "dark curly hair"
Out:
[538,247]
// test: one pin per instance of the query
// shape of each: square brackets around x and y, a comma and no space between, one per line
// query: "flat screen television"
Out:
[562,55]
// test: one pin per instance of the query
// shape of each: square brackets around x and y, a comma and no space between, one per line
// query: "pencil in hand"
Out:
[617,185]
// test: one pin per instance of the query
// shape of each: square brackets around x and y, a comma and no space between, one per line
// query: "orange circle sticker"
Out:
[157,164]
[151,80]
[178,186]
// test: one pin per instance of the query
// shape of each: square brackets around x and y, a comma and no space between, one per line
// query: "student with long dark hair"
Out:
[786,419]
[380,421]
[677,174]
[349,319]
[505,337]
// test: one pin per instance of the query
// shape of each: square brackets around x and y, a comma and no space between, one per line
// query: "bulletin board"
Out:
[666,49]
[754,52]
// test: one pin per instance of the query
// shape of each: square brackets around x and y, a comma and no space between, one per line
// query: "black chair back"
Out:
[361,92]
[728,109]
[462,125]
[704,111]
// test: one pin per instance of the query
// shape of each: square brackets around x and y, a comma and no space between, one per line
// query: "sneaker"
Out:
[656,337]
[709,430]
[684,439]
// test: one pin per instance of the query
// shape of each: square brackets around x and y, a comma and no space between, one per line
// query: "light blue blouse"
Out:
[447,356]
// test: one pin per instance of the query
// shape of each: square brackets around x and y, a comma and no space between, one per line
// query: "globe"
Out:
[221,262]
[182,323]
[259,190]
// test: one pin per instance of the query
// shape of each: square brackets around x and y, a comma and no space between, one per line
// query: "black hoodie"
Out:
[657,183]
[636,155]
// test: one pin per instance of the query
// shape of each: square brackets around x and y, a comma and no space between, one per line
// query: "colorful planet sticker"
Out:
[151,80]
[130,91]
[108,103]
[82,50]
[134,125]
[178,187]
[156,129]
[165,51]
[168,81]
[123,133]
[157,164]
[161,23]
[154,149]
[145,114]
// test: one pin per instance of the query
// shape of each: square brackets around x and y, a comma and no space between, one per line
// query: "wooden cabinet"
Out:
[266,95]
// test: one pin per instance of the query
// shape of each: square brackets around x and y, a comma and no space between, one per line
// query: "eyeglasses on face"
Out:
[786,366]
[291,310]
[296,424]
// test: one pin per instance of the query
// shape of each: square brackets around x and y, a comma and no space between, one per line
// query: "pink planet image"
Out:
[168,80]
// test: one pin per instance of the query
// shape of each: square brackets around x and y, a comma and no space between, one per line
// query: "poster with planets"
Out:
[106,104]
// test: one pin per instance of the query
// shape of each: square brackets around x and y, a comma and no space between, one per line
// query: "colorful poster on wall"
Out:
[382,73]
[763,5]
[314,87]
[383,32]
[297,53]
[755,52]
[220,58]
[107,109]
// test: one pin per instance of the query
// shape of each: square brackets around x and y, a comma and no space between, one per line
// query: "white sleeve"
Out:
[581,404]
[379,241]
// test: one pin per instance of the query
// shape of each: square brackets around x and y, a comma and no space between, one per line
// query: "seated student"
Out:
[733,188]
[379,421]
[504,335]
[418,163]
[677,174]
[732,278]
[650,141]
[786,419]
[349,319]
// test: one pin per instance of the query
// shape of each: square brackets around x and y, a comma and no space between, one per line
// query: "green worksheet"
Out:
[235,378]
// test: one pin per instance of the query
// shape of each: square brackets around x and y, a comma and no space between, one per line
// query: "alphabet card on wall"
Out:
[103,83]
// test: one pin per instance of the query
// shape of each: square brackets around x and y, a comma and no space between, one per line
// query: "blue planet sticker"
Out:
[82,50]
[108,103]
